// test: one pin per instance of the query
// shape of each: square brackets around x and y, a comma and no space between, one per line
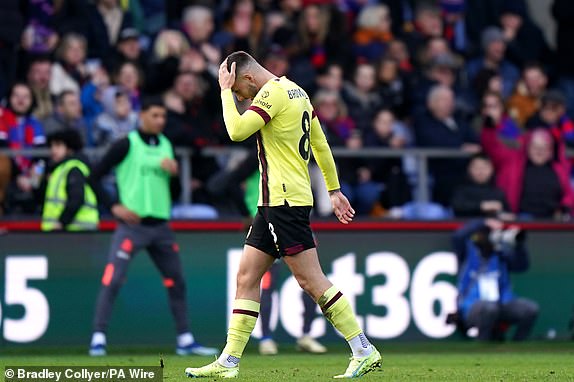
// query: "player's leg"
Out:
[306,342]
[164,253]
[307,271]
[126,241]
[267,345]
[254,262]
[292,233]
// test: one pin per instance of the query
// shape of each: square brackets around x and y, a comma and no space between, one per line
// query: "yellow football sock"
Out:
[245,313]
[338,311]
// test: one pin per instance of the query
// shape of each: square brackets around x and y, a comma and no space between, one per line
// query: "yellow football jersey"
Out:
[287,129]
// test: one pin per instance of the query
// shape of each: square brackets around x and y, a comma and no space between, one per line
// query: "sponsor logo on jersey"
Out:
[263,104]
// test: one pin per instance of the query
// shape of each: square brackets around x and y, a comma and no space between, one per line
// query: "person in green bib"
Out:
[70,203]
[146,172]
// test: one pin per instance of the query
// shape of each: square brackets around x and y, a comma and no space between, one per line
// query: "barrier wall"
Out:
[399,278]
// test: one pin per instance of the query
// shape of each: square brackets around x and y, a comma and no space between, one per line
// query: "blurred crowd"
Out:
[386,74]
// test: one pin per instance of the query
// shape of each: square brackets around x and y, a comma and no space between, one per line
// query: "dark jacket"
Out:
[529,45]
[98,39]
[11,21]
[469,196]
[563,12]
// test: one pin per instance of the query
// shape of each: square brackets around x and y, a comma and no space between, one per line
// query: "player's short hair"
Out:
[151,101]
[243,60]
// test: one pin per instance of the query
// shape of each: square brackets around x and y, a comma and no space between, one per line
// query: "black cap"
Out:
[128,33]
[444,60]
[554,96]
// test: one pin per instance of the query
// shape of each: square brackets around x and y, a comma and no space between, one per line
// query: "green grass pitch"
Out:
[437,361]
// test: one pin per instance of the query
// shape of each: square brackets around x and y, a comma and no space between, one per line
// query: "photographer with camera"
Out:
[486,254]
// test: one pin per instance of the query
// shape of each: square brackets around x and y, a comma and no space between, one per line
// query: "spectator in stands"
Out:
[321,36]
[442,70]
[68,116]
[525,101]
[118,118]
[106,18]
[432,48]
[439,126]
[39,77]
[525,41]
[494,115]
[552,116]
[361,96]
[129,49]
[169,43]
[493,57]
[538,160]
[340,130]
[453,13]
[91,97]
[486,81]
[397,50]
[70,203]
[168,49]
[20,130]
[190,124]
[563,13]
[198,26]
[330,77]
[428,23]
[71,16]
[130,78]
[393,88]
[334,117]
[479,196]
[389,133]
[11,26]
[40,35]
[373,33]
[241,30]
[69,71]
[486,255]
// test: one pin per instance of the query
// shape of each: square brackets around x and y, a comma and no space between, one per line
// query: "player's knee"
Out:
[247,280]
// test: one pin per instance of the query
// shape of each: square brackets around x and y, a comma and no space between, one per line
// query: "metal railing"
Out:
[422,190]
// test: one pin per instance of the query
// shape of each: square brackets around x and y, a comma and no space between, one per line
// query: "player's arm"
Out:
[322,153]
[239,126]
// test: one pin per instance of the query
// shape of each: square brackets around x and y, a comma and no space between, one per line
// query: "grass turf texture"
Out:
[533,361]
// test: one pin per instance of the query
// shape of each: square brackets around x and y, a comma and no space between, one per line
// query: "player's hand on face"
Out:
[169,165]
[226,78]
[341,207]
[124,214]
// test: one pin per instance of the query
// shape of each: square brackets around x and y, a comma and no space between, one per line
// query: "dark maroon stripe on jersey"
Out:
[294,249]
[264,169]
[261,112]
[331,301]
[246,312]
